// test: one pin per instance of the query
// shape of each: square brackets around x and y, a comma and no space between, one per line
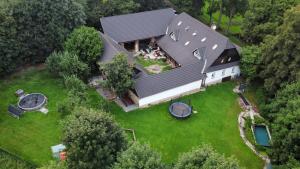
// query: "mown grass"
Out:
[215,123]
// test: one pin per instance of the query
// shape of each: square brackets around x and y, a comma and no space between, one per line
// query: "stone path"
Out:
[241,122]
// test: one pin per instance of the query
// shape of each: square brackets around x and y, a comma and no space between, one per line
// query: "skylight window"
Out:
[195,33]
[179,23]
[187,43]
[203,39]
[215,47]
[229,59]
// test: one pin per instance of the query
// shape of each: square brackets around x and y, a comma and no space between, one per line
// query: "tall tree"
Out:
[139,156]
[281,53]
[93,139]
[284,113]
[86,43]
[118,74]
[40,35]
[148,5]
[262,18]
[9,53]
[203,158]
[250,60]
[234,7]
[95,9]
[192,7]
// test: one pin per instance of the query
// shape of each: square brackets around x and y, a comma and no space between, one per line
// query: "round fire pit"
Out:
[33,101]
[180,110]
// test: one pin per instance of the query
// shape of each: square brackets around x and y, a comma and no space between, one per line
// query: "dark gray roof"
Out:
[111,48]
[147,85]
[222,66]
[205,38]
[143,25]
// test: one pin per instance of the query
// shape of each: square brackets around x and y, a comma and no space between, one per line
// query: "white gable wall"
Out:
[169,94]
[218,75]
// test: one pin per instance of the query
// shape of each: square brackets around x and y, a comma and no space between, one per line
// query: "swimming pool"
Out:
[261,134]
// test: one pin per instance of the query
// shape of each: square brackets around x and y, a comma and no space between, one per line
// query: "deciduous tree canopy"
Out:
[93,139]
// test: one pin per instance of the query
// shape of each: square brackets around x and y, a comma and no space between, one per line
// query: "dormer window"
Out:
[187,28]
[197,54]
[172,35]
[187,43]
[203,39]
[214,47]
[179,23]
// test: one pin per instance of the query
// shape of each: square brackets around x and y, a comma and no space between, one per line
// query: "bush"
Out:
[67,64]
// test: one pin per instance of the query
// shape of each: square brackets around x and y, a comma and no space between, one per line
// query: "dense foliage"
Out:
[148,5]
[96,9]
[118,74]
[284,112]
[86,43]
[250,60]
[93,139]
[192,7]
[67,64]
[263,17]
[281,53]
[203,158]
[139,156]
[32,36]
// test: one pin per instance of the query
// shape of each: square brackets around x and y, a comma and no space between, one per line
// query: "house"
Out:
[199,55]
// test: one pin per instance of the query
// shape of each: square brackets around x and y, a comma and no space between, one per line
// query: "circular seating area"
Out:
[180,110]
[33,101]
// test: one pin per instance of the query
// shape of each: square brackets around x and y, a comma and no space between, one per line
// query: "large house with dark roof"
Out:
[200,55]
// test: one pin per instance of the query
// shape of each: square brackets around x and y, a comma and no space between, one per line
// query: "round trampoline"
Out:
[180,110]
[32,101]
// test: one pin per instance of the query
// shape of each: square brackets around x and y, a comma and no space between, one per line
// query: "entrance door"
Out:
[226,79]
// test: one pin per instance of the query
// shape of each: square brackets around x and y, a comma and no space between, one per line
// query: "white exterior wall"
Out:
[168,94]
[218,75]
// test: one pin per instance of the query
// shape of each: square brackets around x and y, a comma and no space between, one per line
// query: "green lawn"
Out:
[215,123]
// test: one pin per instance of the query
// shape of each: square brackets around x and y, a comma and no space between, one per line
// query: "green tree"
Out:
[95,9]
[9,53]
[76,86]
[250,60]
[67,64]
[281,53]
[118,74]
[262,18]
[192,7]
[284,113]
[203,158]
[93,139]
[40,35]
[86,43]
[139,156]
[234,7]
[148,5]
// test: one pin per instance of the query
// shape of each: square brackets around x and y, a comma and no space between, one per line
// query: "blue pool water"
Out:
[261,135]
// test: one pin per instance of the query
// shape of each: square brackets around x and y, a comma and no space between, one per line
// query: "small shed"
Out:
[57,149]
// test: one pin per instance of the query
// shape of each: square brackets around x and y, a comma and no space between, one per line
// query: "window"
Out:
[223,72]
[195,33]
[213,75]
[187,43]
[222,61]
[232,70]
[172,35]
[229,59]
[203,40]
[215,47]
[197,54]
[179,23]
